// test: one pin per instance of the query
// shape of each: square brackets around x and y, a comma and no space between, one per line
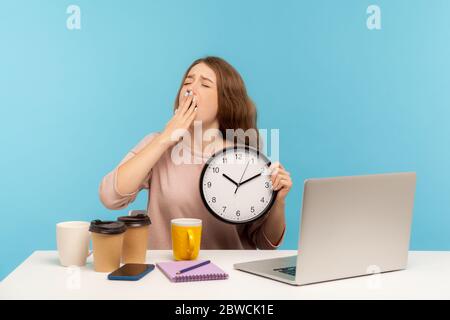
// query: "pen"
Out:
[194,267]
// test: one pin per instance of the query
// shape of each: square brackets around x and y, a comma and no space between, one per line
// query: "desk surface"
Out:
[41,277]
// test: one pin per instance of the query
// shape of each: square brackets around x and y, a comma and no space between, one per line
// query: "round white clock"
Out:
[235,185]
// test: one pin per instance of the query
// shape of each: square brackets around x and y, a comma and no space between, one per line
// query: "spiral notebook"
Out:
[206,272]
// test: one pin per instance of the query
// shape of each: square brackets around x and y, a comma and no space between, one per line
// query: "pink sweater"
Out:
[174,193]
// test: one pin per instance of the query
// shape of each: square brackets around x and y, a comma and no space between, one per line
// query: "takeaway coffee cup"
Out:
[135,240]
[107,241]
[72,241]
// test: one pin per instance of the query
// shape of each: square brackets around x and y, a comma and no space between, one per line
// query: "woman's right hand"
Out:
[181,120]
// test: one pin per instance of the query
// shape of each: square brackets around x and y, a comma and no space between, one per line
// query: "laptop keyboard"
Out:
[288,270]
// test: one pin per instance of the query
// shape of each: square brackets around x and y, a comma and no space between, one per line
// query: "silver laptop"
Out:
[350,226]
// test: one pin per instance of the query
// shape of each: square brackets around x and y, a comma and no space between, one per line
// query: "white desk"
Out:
[41,277]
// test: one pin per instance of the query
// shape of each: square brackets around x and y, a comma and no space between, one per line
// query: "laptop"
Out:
[350,226]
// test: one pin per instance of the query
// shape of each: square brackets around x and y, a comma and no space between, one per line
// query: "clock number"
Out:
[238,213]
[252,209]
[238,156]
[267,184]
[216,169]
[224,208]
[262,199]
[209,184]
[224,160]
[213,199]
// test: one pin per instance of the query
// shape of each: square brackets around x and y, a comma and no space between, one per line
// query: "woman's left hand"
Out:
[281,180]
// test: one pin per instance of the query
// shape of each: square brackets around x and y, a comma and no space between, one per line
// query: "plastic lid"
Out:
[138,220]
[107,227]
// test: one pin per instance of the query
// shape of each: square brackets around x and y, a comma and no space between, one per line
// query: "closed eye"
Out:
[204,85]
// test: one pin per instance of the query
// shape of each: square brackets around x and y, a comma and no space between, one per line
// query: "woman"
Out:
[214,95]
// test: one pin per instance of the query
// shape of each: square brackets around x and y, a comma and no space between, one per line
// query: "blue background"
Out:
[347,100]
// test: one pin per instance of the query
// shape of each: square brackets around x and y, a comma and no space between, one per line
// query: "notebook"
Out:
[206,272]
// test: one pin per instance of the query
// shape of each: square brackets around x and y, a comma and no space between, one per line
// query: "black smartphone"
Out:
[131,271]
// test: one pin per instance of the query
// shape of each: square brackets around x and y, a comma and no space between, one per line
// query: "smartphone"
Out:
[131,272]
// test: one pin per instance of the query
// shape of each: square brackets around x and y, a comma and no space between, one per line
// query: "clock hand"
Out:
[237,187]
[227,177]
[249,179]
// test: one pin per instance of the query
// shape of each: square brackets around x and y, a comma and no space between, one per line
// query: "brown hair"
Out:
[235,108]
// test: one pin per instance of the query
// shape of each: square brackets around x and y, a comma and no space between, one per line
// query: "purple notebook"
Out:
[206,272]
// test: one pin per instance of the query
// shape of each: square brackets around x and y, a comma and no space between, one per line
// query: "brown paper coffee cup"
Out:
[107,242]
[136,238]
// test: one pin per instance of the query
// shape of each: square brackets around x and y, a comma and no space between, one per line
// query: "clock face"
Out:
[235,185]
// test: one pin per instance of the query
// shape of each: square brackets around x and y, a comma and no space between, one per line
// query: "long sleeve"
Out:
[109,195]
[255,232]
